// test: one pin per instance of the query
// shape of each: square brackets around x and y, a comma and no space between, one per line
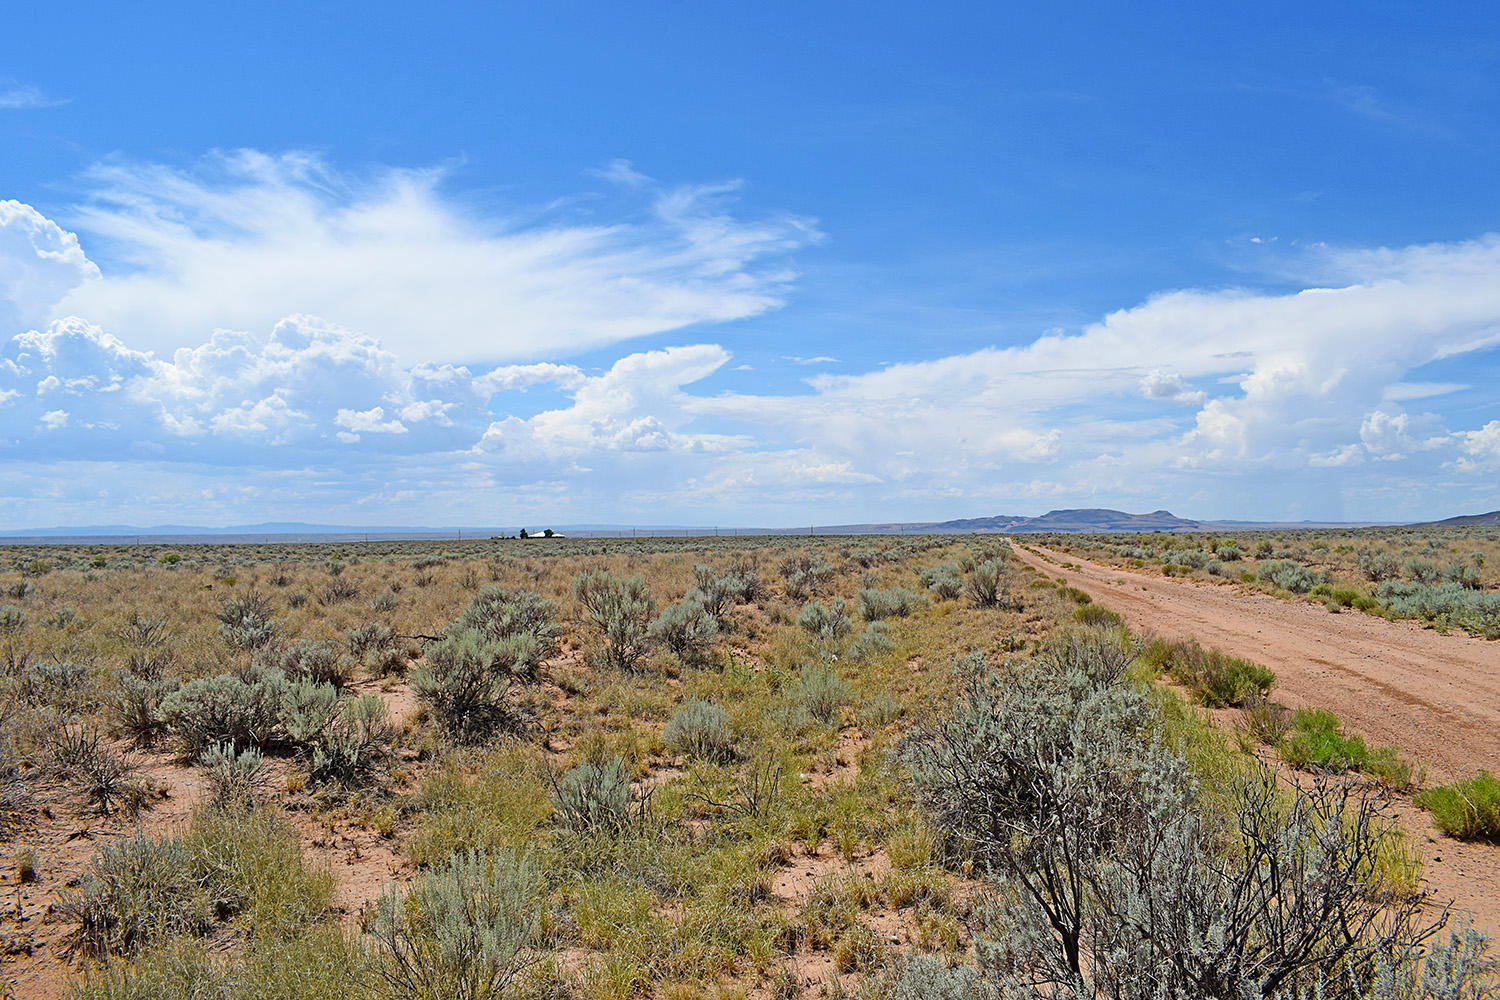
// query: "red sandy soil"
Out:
[1434,696]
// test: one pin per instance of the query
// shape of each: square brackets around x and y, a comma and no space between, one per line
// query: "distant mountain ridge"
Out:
[1088,519]
[1464,521]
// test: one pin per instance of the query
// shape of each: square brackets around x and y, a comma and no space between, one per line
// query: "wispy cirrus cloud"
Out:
[242,239]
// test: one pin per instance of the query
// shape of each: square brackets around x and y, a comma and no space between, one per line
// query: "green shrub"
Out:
[1095,616]
[465,678]
[700,730]
[137,890]
[307,709]
[894,602]
[943,580]
[228,708]
[245,622]
[463,930]
[821,691]
[618,613]
[1317,742]
[1215,678]
[1060,727]
[596,798]
[1468,809]
[829,624]
[989,584]
[318,966]
[228,864]
[1288,574]
[251,864]
[1423,570]
[686,628]
[1075,595]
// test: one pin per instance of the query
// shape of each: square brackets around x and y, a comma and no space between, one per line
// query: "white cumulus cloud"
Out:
[240,240]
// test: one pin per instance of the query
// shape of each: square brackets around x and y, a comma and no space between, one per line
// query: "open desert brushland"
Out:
[1158,765]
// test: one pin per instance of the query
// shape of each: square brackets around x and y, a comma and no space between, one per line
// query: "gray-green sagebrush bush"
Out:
[1288,574]
[805,575]
[246,623]
[502,614]
[463,931]
[1111,877]
[236,779]
[1459,968]
[355,747]
[1446,604]
[465,678]
[320,662]
[339,740]
[893,602]
[943,580]
[686,628]
[874,641]
[700,730]
[720,592]
[618,613]
[500,639]
[227,708]
[989,584]
[230,864]
[597,798]
[830,624]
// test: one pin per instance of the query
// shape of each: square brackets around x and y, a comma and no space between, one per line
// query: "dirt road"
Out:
[1435,696]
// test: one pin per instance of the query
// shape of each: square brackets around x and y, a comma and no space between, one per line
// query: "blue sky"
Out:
[757,264]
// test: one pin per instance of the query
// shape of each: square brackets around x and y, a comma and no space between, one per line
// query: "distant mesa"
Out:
[1465,521]
[1088,520]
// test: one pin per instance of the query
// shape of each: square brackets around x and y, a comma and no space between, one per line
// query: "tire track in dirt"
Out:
[1435,696]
